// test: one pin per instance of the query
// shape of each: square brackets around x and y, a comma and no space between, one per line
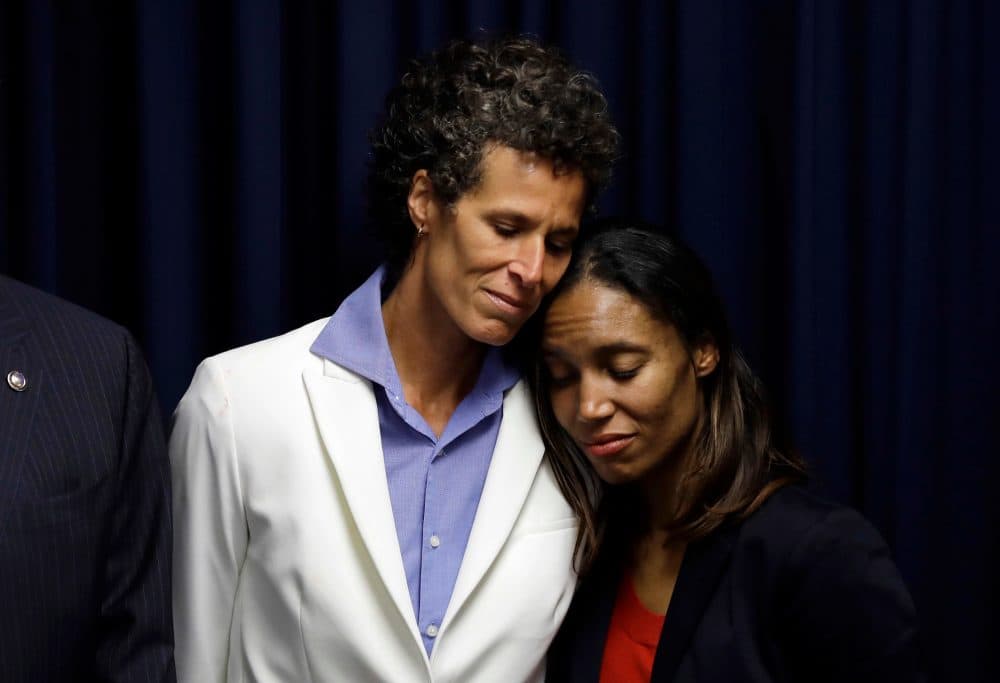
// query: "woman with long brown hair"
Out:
[702,557]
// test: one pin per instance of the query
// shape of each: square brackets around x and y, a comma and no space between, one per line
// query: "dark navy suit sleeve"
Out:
[136,635]
[847,614]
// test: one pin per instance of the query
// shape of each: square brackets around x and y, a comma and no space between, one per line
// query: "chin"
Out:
[493,340]
[615,476]
[494,333]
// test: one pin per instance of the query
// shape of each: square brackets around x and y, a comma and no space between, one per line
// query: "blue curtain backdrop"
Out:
[194,171]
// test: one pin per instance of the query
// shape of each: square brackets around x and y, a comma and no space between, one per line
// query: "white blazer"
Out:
[286,561]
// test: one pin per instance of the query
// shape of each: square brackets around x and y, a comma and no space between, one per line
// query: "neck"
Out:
[438,364]
[661,489]
[660,499]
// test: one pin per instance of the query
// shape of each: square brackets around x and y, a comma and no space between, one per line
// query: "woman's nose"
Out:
[529,262]
[594,404]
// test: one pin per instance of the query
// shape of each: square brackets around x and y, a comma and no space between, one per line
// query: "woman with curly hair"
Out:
[365,492]
[702,557]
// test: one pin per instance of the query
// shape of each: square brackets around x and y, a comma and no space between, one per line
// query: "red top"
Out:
[632,637]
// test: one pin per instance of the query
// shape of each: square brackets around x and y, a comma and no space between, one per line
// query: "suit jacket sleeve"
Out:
[134,642]
[210,527]
[848,615]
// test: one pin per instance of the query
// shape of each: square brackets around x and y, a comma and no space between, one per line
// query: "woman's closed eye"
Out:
[625,364]
[504,230]
[624,374]
[559,246]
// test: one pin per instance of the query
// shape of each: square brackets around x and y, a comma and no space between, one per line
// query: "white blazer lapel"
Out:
[516,458]
[347,416]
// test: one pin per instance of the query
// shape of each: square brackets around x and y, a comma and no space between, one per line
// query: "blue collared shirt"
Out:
[434,483]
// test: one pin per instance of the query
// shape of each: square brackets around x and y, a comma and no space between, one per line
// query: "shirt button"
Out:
[431,631]
[435,541]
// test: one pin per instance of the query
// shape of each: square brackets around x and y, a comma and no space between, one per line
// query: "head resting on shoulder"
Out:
[730,466]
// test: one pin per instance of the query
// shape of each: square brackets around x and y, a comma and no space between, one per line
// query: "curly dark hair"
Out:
[451,104]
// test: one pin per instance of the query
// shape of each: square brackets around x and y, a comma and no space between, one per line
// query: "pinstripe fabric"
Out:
[84,501]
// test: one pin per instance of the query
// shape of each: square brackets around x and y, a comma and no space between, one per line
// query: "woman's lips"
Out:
[606,446]
[507,303]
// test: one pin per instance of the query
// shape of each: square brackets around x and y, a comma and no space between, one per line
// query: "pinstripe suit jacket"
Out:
[84,500]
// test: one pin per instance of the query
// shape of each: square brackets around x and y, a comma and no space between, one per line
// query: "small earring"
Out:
[421,231]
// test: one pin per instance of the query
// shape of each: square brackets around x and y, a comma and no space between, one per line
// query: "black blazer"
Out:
[84,501]
[803,590]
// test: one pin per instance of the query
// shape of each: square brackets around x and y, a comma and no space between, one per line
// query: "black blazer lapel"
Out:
[704,563]
[598,619]
[17,408]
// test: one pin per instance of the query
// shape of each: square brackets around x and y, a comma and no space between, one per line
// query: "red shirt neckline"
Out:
[633,634]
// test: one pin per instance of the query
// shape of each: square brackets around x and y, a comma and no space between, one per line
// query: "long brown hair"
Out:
[733,467]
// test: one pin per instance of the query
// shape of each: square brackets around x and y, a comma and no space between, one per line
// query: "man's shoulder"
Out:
[58,320]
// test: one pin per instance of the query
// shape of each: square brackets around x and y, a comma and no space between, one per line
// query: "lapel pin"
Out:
[16,380]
